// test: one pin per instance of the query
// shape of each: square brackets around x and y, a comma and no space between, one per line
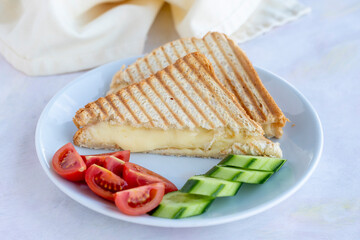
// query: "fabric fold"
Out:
[44,37]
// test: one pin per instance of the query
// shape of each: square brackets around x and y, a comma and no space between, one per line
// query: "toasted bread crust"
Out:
[231,66]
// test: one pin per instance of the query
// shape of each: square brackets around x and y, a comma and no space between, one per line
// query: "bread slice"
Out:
[232,68]
[181,110]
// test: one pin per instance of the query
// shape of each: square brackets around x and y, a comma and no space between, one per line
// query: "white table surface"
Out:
[319,54]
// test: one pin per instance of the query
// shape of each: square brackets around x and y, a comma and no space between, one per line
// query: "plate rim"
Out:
[170,222]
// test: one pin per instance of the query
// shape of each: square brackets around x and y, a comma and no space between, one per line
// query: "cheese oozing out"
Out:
[147,139]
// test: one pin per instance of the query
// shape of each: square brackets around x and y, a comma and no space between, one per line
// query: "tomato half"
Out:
[68,163]
[111,163]
[136,175]
[123,155]
[140,200]
[104,182]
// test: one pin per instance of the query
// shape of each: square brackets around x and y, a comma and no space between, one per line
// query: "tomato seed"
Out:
[111,187]
[139,200]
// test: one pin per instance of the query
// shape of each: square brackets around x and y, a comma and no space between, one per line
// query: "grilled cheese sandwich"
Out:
[232,68]
[181,110]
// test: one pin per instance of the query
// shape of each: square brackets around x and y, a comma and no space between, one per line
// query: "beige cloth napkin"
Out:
[42,37]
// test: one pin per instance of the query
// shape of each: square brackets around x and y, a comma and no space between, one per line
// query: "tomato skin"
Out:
[122,155]
[140,200]
[104,182]
[111,163]
[68,163]
[136,175]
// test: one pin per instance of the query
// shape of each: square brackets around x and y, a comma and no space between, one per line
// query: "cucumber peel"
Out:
[253,162]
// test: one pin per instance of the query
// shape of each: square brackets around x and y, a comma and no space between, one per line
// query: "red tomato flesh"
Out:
[111,163]
[104,182]
[140,200]
[136,175]
[68,163]
[123,155]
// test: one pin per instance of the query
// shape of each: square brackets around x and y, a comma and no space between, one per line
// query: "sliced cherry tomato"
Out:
[109,162]
[123,155]
[104,182]
[68,163]
[136,175]
[140,200]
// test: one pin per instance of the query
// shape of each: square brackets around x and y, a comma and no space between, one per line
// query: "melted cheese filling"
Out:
[147,139]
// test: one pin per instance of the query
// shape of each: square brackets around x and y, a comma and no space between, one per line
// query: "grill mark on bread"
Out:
[162,100]
[274,112]
[157,60]
[219,100]
[174,49]
[236,103]
[268,101]
[199,94]
[126,105]
[130,76]
[167,57]
[228,81]
[149,66]
[180,48]
[184,46]
[139,87]
[213,57]
[139,104]
[194,44]
[81,116]
[243,83]
[101,108]
[113,107]
[177,67]
[166,70]
[165,54]
[88,108]
[162,59]
[139,71]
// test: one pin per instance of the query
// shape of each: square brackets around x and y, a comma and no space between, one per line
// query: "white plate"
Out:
[301,145]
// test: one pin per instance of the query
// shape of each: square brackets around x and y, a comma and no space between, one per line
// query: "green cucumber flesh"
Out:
[212,187]
[239,175]
[181,205]
[253,162]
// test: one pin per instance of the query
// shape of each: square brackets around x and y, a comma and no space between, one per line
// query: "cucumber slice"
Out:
[180,205]
[239,175]
[253,162]
[208,186]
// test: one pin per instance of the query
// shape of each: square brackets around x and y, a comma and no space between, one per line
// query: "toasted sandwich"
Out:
[232,68]
[181,110]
